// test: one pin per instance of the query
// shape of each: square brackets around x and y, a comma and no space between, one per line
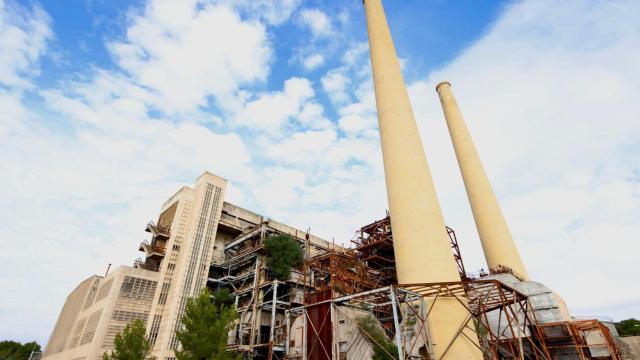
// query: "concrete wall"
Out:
[629,347]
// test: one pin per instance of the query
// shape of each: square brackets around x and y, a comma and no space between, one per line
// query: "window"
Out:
[137,288]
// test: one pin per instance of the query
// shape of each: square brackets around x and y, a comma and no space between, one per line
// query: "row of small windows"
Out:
[138,288]
[129,316]
[155,326]
[90,328]
[162,299]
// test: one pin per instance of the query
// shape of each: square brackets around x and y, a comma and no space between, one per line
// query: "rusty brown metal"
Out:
[573,338]
[500,316]
[457,255]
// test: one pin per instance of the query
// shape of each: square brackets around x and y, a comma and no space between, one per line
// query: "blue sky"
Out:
[108,107]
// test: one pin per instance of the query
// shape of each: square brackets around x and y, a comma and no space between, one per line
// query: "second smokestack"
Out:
[498,245]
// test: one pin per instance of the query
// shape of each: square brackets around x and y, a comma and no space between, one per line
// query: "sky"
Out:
[107,107]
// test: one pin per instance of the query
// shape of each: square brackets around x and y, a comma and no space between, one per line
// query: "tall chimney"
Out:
[497,243]
[420,242]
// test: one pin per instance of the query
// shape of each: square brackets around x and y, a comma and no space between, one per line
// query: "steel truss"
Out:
[500,317]
[389,305]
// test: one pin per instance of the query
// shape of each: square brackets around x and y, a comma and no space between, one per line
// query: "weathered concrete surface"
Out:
[629,347]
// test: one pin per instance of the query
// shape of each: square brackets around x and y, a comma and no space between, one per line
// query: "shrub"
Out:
[131,344]
[383,348]
[206,325]
[283,254]
[629,327]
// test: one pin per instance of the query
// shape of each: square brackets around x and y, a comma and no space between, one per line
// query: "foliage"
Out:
[283,254]
[131,344]
[12,350]
[629,327]
[382,346]
[206,325]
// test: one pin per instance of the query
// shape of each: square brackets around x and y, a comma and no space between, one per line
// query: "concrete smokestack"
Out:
[422,248]
[497,243]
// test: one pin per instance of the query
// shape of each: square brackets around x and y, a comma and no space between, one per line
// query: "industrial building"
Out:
[99,308]
[403,274]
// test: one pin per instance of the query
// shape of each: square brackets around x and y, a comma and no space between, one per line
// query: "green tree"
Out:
[12,350]
[383,348]
[206,325]
[629,327]
[131,344]
[283,254]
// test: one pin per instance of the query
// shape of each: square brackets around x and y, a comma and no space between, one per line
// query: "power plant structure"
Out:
[402,276]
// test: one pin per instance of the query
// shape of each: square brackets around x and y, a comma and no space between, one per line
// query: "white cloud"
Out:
[183,51]
[335,85]
[91,164]
[355,123]
[546,97]
[316,21]
[23,39]
[355,53]
[273,12]
[81,195]
[313,61]
[12,111]
[302,147]
[270,111]
[312,116]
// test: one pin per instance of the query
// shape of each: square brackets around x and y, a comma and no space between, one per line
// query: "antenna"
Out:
[107,272]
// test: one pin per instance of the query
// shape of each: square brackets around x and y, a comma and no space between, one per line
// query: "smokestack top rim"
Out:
[442,83]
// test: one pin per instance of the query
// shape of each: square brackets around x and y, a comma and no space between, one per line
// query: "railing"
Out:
[154,247]
[159,230]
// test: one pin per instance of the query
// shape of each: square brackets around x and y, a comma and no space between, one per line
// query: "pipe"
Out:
[497,243]
[420,242]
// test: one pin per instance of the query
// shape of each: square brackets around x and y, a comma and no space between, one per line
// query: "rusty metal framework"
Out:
[374,247]
[498,315]
[340,272]
[457,255]
[583,339]
[336,287]
[260,298]
[331,327]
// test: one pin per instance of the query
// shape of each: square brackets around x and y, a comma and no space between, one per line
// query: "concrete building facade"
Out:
[198,240]
[99,308]
[180,251]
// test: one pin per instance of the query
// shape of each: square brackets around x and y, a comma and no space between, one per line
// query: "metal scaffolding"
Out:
[400,313]
[260,298]
[316,313]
